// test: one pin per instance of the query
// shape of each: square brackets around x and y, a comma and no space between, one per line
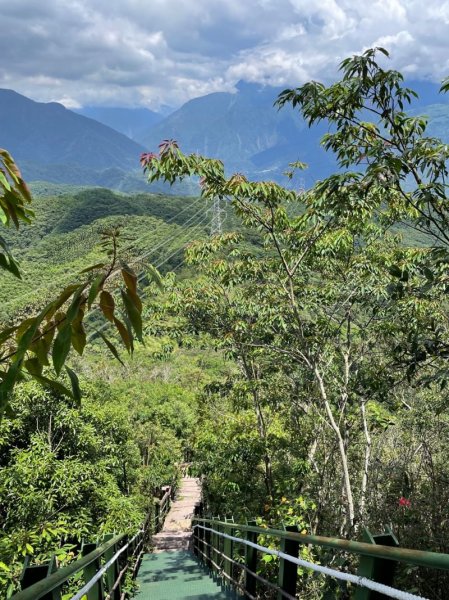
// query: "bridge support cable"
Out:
[354,579]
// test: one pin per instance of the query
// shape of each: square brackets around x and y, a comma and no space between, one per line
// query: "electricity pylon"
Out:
[216,222]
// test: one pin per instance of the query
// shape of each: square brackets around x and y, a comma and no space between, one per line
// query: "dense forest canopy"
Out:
[324,404]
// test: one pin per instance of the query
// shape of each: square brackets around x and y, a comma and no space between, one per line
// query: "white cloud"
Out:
[135,52]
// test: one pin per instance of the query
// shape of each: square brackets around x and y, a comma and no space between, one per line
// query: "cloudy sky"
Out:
[153,52]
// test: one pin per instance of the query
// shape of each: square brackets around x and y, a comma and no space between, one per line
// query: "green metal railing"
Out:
[378,557]
[47,581]
[99,581]
[161,507]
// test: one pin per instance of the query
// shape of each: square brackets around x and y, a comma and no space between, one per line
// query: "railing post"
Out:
[112,572]
[52,568]
[216,545]
[228,550]
[96,592]
[251,561]
[288,572]
[157,515]
[201,546]
[33,574]
[377,569]
[208,544]
[195,537]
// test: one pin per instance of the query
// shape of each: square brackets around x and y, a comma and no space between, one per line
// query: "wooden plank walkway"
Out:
[171,572]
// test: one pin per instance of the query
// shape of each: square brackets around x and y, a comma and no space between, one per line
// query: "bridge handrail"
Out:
[52,582]
[420,558]
[56,580]
[214,540]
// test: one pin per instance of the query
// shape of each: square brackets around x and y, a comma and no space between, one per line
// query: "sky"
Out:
[154,52]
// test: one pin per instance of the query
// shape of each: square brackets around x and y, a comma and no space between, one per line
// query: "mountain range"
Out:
[102,145]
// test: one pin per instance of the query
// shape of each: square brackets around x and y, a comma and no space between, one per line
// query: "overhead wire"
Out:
[73,273]
[185,239]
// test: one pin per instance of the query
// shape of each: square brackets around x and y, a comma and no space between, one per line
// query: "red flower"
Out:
[404,502]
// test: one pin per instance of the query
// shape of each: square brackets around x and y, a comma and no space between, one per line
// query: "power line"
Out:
[158,266]
[74,273]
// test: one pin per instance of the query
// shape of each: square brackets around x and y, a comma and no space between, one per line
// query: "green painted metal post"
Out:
[125,556]
[377,569]
[208,542]
[228,550]
[33,574]
[157,515]
[112,572]
[217,545]
[52,568]
[96,592]
[201,545]
[214,541]
[195,538]
[288,572]
[251,561]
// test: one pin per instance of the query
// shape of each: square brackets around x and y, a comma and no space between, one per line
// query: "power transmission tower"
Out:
[216,222]
[302,186]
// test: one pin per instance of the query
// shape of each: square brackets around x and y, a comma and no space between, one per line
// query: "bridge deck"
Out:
[177,575]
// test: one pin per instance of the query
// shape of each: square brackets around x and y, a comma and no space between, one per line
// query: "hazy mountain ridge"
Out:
[244,129]
[132,122]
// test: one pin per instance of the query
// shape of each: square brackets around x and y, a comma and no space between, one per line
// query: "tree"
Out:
[335,297]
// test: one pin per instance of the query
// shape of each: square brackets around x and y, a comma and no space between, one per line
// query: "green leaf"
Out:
[124,334]
[79,334]
[61,347]
[33,366]
[154,275]
[76,391]
[7,384]
[94,289]
[133,313]
[60,300]
[53,385]
[111,347]
[93,267]
[75,305]
[6,334]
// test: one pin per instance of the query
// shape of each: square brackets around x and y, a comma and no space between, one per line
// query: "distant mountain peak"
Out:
[50,134]
[249,86]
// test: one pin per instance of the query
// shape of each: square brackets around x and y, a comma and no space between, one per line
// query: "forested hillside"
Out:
[63,239]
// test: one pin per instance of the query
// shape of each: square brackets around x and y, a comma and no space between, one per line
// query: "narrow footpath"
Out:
[177,530]
[172,572]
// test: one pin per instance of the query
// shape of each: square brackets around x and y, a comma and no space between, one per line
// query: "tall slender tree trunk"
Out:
[366,461]
[349,499]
